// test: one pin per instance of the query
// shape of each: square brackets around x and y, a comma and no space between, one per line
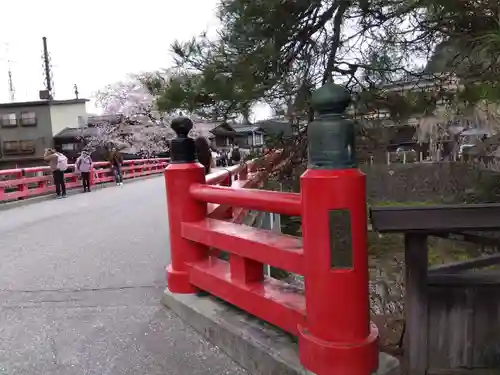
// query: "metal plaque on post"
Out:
[340,239]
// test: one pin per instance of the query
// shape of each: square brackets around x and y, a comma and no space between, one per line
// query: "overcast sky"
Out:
[92,42]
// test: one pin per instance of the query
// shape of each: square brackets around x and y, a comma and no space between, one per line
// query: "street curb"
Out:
[258,347]
[46,197]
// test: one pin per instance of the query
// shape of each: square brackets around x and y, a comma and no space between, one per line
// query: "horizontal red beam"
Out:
[260,200]
[218,211]
[217,177]
[270,300]
[278,250]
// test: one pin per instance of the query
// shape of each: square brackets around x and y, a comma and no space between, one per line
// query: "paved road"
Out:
[80,283]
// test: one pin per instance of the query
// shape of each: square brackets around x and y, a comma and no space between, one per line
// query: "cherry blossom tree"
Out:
[130,119]
[142,139]
[130,97]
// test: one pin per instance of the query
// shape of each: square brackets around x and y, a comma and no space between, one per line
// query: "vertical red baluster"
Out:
[23,187]
[228,182]
[179,176]
[243,175]
[337,337]
[92,177]
[245,270]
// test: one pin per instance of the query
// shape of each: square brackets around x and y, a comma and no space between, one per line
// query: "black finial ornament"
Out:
[331,135]
[182,148]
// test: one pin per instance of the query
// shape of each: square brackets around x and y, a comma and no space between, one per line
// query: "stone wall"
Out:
[447,182]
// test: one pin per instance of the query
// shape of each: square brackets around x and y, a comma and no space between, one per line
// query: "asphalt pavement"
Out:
[80,283]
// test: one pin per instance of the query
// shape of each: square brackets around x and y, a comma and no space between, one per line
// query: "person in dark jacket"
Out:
[235,155]
[203,153]
[116,160]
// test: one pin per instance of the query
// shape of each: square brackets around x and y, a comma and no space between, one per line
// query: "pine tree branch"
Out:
[335,44]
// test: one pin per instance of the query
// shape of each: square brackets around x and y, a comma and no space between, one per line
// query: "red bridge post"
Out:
[180,174]
[337,337]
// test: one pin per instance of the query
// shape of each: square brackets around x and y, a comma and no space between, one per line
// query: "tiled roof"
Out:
[37,103]
[77,133]
[92,131]
[246,129]
[275,127]
[98,119]
[222,128]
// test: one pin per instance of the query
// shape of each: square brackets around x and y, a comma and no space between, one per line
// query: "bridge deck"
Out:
[80,283]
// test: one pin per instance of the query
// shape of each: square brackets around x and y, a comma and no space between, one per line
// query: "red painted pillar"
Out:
[92,177]
[23,187]
[251,167]
[337,338]
[243,174]
[227,180]
[179,176]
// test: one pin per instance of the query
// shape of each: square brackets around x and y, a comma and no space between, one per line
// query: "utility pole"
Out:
[47,69]
[12,91]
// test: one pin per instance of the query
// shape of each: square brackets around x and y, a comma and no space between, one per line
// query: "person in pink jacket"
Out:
[84,166]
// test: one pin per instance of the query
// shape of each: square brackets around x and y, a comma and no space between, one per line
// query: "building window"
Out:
[28,118]
[8,120]
[11,147]
[27,147]
[259,139]
[68,146]
[19,147]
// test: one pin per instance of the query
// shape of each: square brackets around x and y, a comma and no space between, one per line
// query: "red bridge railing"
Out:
[331,316]
[29,182]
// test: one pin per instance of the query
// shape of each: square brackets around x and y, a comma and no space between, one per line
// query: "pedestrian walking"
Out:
[84,166]
[115,159]
[235,155]
[215,158]
[229,157]
[223,159]
[58,164]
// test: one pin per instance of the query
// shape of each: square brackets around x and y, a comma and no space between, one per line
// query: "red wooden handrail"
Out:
[221,175]
[218,177]
[24,183]
[331,316]
[260,200]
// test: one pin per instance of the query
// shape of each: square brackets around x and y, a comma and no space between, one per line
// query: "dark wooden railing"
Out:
[452,311]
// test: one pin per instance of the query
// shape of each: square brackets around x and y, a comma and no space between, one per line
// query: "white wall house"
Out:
[67,115]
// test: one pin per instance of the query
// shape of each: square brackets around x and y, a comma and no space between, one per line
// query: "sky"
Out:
[94,42]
